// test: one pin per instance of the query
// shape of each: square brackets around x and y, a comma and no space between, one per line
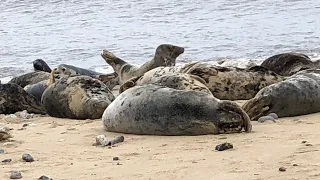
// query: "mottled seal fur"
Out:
[231,83]
[287,64]
[41,65]
[37,89]
[32,78]
[165,55]
[13,99]
[166,76]
[78,97]
[297,95]
[158,110]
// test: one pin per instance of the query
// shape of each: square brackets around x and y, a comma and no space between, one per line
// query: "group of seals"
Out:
[299,94]
[159,110]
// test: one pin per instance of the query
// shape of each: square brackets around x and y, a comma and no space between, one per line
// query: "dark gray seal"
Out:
[297,95]
[287,64]
[165,55]
[78,97]
[158,110]
[231,83]
[13,99]
[41,65]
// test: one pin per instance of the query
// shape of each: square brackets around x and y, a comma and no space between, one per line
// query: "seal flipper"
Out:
[257,107]
[128,84]
[115,62]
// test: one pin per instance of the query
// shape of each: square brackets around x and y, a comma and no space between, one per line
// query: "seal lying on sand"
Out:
[165,55]
[13,99]
[78,97]
[287,64]
[230,83]
[31,78]
[111,80]
[37,89]
[41,65]
[158,110]
[157,76]
[297,95]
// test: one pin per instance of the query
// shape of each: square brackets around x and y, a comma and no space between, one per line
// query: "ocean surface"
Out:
[76,31]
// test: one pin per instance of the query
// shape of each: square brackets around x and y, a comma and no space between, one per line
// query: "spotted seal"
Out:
[287,64]
[165,55]
[31,78]
[231,83]
[13,99]
[78,97]
[158,110]
[167,76]
[41,65]
[297,95]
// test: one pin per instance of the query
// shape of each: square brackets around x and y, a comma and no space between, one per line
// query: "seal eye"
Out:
[63,69]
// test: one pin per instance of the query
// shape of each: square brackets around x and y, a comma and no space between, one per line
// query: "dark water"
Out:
[74,32]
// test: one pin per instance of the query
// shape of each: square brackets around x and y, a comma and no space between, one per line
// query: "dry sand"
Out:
[63,149]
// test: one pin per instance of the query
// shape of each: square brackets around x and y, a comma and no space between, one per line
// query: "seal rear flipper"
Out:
[228,125]
[128,84]
[257,107]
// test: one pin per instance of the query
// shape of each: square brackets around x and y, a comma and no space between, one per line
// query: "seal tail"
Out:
[232,106]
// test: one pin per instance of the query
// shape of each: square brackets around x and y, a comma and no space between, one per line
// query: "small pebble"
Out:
[2,151]
[115,158]
[44,178]
[294,164]
[102,140]
[25,125]
[282,169]
[274,115]
[266,118]
[224,146]
[15,175]
[303,142]
[119,164]
[6,160]
[27,158]
[309,145]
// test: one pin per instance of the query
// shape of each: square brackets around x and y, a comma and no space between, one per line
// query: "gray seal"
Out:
[297,95]
[31,78]
[287,64]
[231,83]
[78,97]
[41,65]
[165,55]
[13,99]
[158,110]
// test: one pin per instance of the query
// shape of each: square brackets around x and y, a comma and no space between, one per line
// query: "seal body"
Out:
[30,78]
[13,99]
[230,83]
[73,70]
[297,95]
[37,89]
[165,55]
[78,97]
[41,65]
[159,110]
[287,64]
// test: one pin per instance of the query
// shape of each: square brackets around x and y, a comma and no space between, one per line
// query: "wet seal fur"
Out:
[158,110]
[165,55]
[78,97]
[287,64]
[41,65]
[166,76]
[297,95]
[13,99]
[231,83]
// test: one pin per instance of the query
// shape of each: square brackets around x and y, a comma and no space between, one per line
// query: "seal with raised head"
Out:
[287,64]
[159,110]
[41,65]
[165,55]
[37,89]
[13,99]
[231,83]
[297,95]
[78,97]
[164,77]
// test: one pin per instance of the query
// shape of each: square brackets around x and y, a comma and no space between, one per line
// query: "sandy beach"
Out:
[63,150]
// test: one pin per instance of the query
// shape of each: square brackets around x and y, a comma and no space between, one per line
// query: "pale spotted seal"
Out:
[41,65]
[78,97]
[230,83]
[13,99]
[297,95]
[165,55]
[287,64]
[159,110]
